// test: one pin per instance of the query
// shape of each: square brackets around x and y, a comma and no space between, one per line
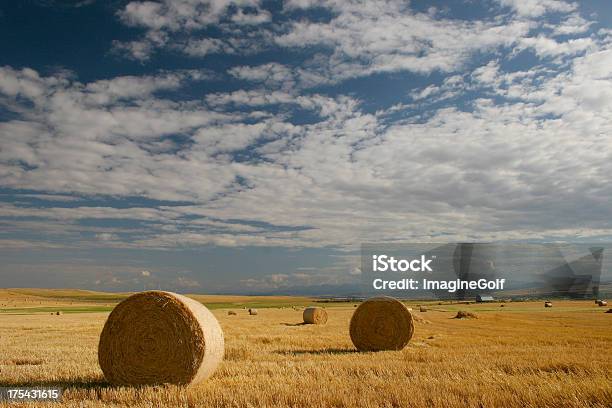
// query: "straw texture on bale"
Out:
[160,337]
[381,323]
[315,315]
[253,312]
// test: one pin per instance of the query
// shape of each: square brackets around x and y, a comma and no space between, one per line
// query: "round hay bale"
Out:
[381,323]
[58,313]
[253,312]
[609,311]
[462,314]
[602,303]
[160,337]
[232,313]
[547,304]
[315,315]
[422,309]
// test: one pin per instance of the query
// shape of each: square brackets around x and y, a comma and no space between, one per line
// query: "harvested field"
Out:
[520,356]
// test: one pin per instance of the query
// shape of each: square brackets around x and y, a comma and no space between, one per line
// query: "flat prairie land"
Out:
[28,301]
[519,355]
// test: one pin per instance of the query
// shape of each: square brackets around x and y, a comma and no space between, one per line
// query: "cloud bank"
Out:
[502,131]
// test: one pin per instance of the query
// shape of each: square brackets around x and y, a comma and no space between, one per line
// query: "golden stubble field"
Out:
[521,355]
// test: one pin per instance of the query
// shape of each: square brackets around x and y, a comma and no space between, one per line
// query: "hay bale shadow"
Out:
[85,384]
[95,385]
[317,352]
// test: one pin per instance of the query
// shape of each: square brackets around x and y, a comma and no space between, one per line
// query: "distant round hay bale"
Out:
[602,303]
[231,313]
[422,309]
[609,311]
[253,312]
[381,323]
[462,314]
[547,304]
[502,305]
[315,315]
[58,313]
[160,337]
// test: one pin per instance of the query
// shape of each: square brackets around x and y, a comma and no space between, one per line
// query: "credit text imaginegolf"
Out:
[385,263]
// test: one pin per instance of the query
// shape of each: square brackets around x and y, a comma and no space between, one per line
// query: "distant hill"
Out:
[65,299]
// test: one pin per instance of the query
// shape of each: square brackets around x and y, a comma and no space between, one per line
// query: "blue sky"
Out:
[251,146]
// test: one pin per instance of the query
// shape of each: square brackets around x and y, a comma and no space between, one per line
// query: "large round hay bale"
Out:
[315,315]
[253,312]
[160,337]
[381,323]
[422,309]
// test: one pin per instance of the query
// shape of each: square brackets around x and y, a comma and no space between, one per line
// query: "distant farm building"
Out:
[484,298]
